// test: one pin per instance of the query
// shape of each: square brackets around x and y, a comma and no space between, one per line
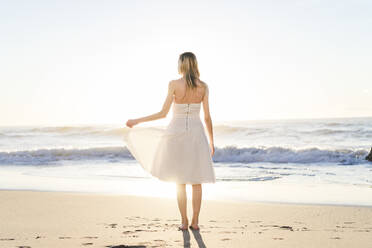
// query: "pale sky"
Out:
[95,62]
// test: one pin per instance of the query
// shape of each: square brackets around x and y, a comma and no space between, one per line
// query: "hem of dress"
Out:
[185,182]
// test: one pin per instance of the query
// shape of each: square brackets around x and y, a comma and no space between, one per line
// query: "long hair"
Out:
[188,66]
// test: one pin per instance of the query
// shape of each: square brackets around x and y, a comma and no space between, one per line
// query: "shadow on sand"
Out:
[186,241]
[126,246]
[197,236]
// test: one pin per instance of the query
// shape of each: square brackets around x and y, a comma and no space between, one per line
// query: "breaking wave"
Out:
[228,154]
[287,155]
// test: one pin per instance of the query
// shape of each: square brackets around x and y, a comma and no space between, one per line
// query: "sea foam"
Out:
[228,154]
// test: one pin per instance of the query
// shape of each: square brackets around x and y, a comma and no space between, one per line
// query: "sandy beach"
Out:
[58,219]
[105,106]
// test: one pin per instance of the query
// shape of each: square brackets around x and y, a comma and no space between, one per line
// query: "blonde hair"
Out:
[188,66]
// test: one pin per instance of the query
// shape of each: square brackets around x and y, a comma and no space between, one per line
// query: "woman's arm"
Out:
[208,119]
[161,114]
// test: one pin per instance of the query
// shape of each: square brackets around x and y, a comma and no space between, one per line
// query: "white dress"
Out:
[179,153]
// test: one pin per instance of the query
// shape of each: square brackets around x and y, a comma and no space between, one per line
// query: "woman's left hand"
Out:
[212,149]
[131,122]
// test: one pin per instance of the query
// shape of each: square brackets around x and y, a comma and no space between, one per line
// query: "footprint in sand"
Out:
[227,232]
[6,239]
[142,230]
[281,227]
[255,221]
[64,237]
[136,218]
[24,246]
[361,230]
[159,242]
[335,238]
[87,244]
[225,239]
[287,227]
[214,226]
[90,237]
[278,238]
[345,227]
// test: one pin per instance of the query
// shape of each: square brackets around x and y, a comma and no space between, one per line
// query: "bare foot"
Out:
[183,226]
[194,226]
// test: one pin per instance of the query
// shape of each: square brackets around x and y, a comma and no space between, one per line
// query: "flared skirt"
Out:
[177,153]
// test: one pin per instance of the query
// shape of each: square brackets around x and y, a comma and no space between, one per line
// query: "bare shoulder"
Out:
[172,83]
[176,82]
[203,84]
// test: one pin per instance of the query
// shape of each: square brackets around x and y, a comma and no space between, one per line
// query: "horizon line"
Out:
[215,122]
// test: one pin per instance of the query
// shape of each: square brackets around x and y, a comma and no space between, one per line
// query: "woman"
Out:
[181,152]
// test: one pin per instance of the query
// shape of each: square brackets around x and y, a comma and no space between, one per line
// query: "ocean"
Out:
[312,161]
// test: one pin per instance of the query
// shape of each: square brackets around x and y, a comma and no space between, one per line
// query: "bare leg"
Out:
[182,204]
[196,203]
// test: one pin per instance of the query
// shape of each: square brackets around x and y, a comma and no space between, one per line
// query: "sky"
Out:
[78,62]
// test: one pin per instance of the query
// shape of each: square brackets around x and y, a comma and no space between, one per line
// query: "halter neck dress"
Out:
[179,153]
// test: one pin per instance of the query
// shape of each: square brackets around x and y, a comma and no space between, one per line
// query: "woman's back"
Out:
[181,95]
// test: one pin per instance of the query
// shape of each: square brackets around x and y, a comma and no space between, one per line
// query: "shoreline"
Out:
[243,201]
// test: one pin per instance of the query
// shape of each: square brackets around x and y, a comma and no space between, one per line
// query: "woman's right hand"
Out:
[131,122]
